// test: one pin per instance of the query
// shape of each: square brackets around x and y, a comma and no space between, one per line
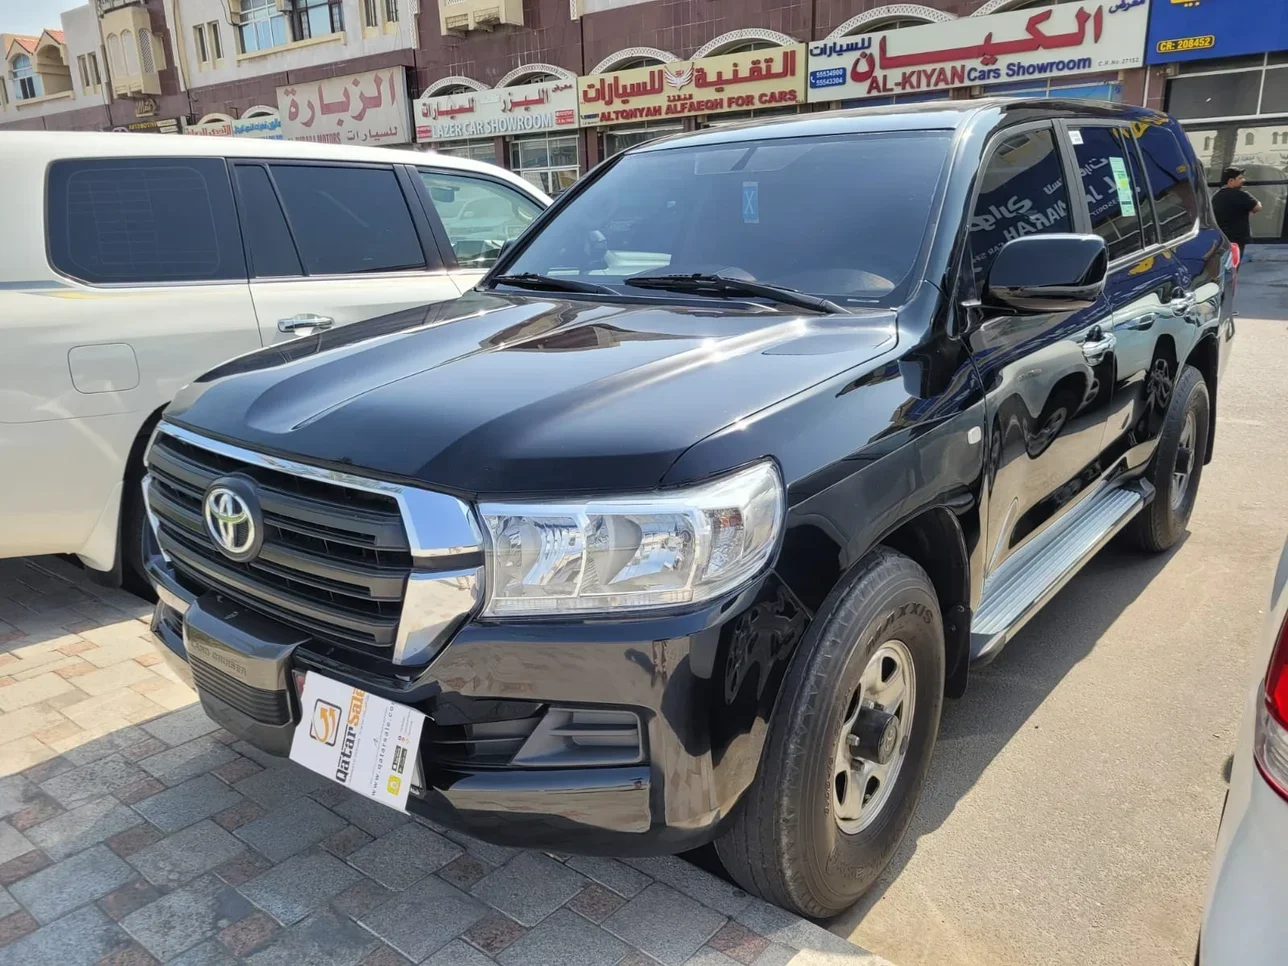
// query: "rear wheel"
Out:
[1178,465]
[849,745]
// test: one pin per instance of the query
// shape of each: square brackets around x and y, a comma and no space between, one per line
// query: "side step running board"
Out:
[1033,575]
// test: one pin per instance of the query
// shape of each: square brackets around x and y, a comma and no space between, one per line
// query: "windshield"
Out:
[842,217]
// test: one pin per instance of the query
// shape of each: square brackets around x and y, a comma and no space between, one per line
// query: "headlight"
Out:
[628,553]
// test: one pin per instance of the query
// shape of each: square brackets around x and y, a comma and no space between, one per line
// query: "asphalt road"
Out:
[1076,789]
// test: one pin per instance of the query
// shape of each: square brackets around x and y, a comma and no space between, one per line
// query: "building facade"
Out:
[1222,69]
[549,88]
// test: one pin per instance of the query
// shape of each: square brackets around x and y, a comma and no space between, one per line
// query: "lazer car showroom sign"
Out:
[1059,41]
[729,82]
[550,106]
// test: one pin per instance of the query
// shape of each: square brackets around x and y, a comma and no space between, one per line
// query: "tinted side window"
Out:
[1106,182]
[1167,165]
[348,220]
[480,216]
[1021,192]
[143,220]
[268,239]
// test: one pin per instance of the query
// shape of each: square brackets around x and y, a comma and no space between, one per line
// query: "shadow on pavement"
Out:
[1262,288]
[1002,696]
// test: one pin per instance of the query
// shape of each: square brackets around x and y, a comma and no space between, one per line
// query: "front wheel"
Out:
[1178,465]
[849,745]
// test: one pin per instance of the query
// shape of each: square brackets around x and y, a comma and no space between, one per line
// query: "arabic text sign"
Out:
[368,108]
[1071,38]
[263,126]
[362,741]
[1230,28]
[730,82]
[506,110]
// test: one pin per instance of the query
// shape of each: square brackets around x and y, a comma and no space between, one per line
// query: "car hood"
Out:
[498,394]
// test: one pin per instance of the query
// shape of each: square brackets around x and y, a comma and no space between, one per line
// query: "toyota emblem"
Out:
[233,519]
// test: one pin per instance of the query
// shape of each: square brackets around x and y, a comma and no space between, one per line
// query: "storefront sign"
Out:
[169,125]
[268,126]
[730,82]
[1067,39]
[145,107]
[368,108]
[527,109]
[1198,29]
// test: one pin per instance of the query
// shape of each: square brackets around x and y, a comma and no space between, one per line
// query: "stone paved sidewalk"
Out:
[135,831]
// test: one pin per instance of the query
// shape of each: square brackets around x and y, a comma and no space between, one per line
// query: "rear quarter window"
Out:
[1171,170]
[143,221]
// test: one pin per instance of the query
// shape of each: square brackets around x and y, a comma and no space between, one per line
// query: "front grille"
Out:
[268,707]
[334,561]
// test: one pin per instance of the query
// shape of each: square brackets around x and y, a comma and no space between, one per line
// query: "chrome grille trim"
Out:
[440,529]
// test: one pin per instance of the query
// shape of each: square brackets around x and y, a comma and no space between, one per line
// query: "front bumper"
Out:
[702,686]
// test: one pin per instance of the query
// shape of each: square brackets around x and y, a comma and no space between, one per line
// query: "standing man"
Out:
[1232,206]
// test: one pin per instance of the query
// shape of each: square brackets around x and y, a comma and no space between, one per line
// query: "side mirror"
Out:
[1047,273]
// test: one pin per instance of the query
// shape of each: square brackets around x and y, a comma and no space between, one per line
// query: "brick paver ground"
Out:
[134,831]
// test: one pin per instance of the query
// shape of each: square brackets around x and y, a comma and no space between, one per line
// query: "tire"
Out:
[788,841]
[1183,439]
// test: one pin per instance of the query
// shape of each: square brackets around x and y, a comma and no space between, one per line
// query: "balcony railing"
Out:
[460,16]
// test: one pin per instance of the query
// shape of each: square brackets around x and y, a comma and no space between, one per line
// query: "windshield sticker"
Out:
[1075,137]
[751,202]
[1123,183]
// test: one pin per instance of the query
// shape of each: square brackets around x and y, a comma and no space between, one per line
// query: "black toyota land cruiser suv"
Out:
[680,527]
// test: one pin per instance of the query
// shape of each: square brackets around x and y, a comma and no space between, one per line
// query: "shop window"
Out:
[617,140]
[548,162]
[143,221]
[1171,181]
[478,150]
[1022,191]
[479,215]
[347,220]
[1215,95]
[1274,94]
[268,239]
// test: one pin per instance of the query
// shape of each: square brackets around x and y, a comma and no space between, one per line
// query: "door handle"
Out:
[304,324]
[1098,345]
[1183,304]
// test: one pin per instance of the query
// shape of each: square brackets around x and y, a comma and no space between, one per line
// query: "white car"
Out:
[1244,923]
[133,263]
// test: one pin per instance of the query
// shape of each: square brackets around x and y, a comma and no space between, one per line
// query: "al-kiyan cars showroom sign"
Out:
[368,108]
[1000,48]
[730,82]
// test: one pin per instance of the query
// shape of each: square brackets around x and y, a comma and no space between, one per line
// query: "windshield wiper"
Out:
[548,283]
[728,285]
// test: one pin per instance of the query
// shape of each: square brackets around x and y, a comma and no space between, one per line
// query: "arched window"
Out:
[999,6]
[26,84]
[129,52]
[114,54]
[145,52]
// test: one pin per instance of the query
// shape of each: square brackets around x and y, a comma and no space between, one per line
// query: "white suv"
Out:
[135,262]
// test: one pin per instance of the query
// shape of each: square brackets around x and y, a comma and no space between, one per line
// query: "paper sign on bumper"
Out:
[362,741]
